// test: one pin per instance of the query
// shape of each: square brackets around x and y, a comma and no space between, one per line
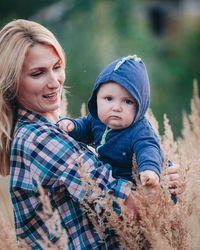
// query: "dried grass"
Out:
[83,109]
[53,223]
[64,104]
[162,224]
[7,235]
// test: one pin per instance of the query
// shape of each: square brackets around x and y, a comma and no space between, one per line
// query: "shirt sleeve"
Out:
[55,158]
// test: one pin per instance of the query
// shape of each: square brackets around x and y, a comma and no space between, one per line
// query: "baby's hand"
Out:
[66,125]
[149,178]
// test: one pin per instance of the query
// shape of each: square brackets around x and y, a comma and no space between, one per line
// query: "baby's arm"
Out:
[149,178]
[148,153]
[66,125]
[80,128]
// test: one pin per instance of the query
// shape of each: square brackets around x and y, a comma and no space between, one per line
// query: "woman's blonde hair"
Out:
[15,39]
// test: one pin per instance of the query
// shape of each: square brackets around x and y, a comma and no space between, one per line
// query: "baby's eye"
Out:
[127,101]
[108,98]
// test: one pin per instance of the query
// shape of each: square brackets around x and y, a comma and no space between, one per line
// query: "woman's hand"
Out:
[174,178]
[132,203]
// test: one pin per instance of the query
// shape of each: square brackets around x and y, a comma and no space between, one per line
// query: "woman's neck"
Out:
[51,116]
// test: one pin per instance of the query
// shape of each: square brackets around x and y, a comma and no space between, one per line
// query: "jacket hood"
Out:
[130,72]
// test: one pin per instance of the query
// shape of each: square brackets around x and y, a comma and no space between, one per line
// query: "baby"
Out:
[116,123]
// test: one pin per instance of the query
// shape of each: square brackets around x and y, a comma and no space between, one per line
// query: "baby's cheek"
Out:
[104,119]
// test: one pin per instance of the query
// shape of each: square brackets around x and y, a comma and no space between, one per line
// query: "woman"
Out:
[32,73]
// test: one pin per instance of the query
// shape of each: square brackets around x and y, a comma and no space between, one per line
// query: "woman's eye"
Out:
[37,74]
[108,98]
[57,66]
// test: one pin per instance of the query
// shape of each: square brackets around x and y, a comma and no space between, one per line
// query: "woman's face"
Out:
[41,80]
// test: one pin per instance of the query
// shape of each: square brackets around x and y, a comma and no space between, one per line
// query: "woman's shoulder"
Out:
[32,123]
[35,131]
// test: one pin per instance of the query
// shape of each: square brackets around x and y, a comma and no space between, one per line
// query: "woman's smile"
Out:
[51,97]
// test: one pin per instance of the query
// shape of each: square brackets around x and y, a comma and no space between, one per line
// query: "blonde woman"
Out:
[33,148]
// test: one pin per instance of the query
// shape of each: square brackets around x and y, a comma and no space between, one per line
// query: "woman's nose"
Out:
[53,80]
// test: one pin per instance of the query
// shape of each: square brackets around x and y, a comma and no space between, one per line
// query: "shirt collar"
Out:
[27,116]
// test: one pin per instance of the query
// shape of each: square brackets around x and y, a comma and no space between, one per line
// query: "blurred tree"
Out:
[95,32]
[21,8]
[173,75]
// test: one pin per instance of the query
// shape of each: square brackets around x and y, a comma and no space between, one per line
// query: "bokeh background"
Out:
[164,33]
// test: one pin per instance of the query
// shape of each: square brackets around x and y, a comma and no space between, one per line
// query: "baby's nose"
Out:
[117,106]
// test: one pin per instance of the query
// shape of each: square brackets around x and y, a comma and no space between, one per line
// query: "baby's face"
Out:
[115,106]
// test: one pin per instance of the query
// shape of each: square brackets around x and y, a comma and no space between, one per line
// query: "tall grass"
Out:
[162,224]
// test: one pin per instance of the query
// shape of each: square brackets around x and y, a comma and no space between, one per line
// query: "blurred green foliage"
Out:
[95,32]
[11,9]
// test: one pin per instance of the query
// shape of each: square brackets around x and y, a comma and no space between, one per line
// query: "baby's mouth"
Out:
[115,117]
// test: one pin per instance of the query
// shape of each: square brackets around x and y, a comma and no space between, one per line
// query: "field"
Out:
[162,224]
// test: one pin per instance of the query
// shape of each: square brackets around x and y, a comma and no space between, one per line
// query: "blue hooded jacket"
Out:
[117,147]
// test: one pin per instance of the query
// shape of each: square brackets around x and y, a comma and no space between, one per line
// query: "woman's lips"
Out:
[51,97]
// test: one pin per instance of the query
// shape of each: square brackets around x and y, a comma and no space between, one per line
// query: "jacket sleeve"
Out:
[147,149]
[82,130]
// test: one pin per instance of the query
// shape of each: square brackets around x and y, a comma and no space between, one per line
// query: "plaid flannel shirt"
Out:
[42,152]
